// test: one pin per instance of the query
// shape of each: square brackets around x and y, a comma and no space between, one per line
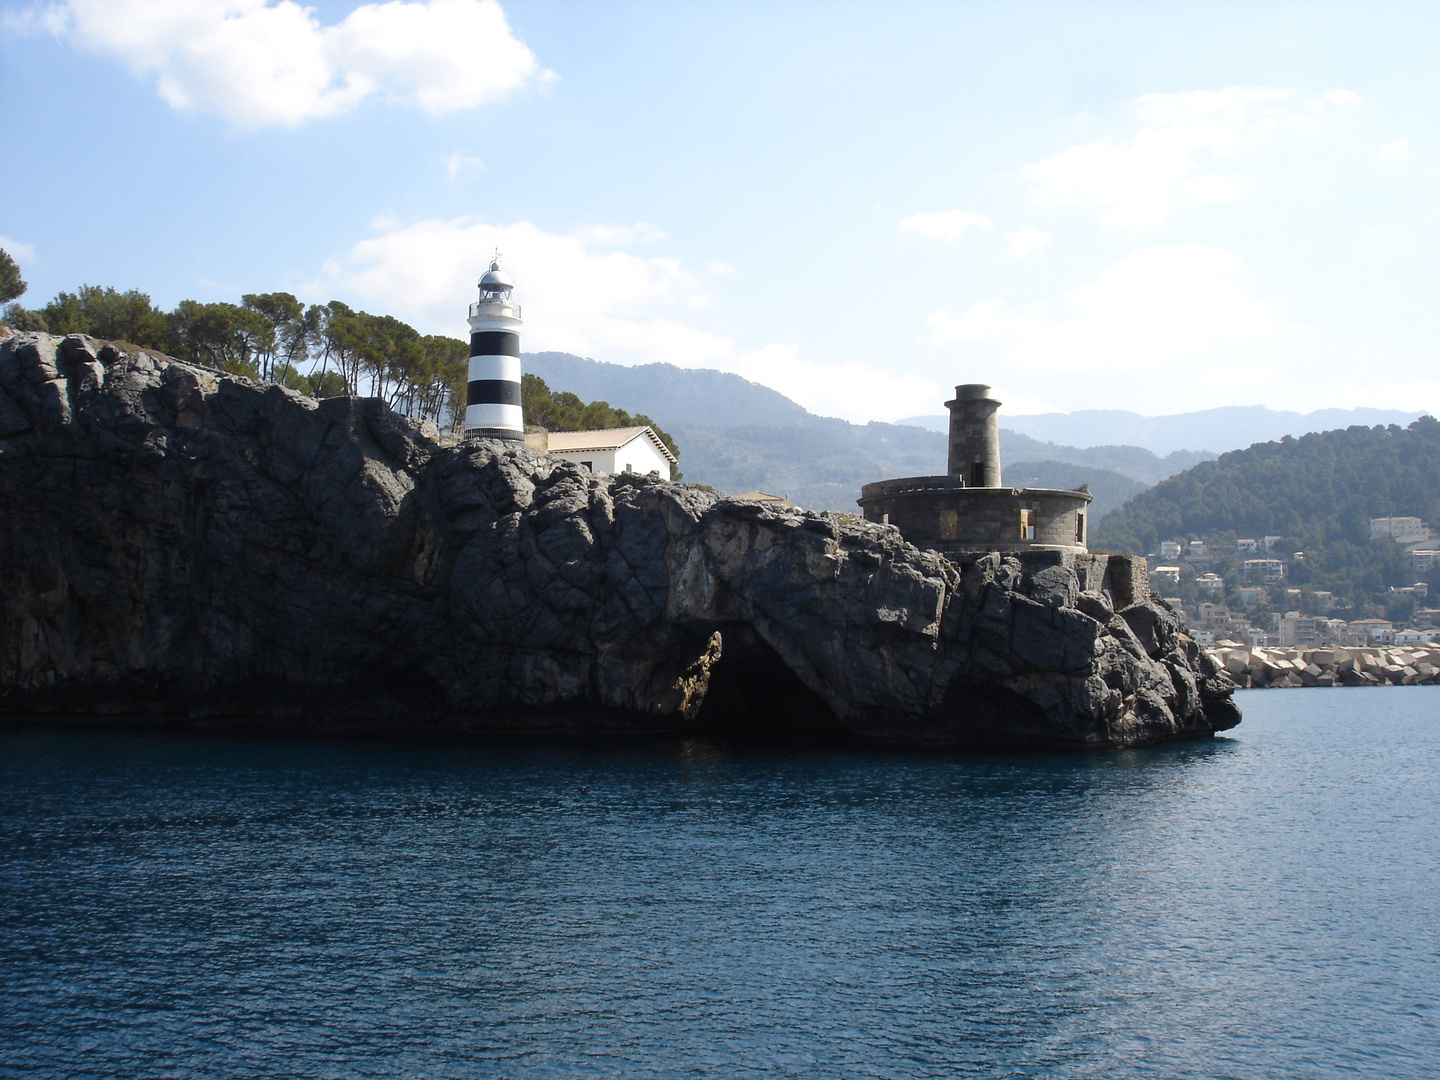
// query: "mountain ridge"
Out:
[737,435]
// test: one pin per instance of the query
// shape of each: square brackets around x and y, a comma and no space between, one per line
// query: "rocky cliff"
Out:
[189,546]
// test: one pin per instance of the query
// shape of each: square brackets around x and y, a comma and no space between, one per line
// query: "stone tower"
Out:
[492,396]
[974,436]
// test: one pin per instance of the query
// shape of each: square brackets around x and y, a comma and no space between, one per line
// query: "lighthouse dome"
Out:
[495,278]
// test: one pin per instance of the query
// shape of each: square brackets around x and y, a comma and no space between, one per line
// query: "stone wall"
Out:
[941,513]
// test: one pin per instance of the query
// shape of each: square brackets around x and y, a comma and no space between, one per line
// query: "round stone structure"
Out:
[967,509]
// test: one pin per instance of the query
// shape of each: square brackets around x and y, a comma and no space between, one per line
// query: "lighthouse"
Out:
[492,396]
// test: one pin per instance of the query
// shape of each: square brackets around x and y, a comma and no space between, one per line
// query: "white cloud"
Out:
[1166,157]
[1156,306]
[852,391]
[944,224]
[1398,150]
[20,251]
[583,292]
[459,162]
[1026,241]
[263,62]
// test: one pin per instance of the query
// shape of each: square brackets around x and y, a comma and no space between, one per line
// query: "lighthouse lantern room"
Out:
[492,396]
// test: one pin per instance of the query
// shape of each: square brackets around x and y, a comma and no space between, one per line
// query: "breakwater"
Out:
[1261,667]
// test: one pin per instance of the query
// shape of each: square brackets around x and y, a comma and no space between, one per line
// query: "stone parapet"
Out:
[944,514]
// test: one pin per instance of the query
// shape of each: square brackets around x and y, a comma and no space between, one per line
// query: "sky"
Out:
[1152,206]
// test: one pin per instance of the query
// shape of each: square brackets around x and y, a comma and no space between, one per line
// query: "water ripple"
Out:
[1259,906]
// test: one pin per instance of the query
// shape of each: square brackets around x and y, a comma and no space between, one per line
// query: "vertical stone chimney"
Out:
[974,436]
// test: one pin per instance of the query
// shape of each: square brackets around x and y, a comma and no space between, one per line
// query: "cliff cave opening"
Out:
[754,696]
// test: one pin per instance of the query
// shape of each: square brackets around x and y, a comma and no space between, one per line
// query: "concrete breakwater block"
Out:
[1259,666]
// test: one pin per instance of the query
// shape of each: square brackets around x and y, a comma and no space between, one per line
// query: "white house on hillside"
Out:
[613,450]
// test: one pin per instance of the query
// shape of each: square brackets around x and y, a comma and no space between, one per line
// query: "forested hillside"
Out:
[1317,494]
[1316,489]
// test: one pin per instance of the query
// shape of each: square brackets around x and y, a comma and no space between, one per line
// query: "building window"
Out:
[1080,528]
[589,465]
[1027,524]
[629,467]
[949,525]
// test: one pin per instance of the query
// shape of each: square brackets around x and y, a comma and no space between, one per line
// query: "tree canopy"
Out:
[324,350]
[11,284]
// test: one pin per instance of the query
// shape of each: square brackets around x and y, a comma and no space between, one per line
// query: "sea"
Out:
[1262,904]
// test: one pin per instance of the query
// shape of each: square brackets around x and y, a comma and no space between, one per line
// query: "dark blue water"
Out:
[1263,905]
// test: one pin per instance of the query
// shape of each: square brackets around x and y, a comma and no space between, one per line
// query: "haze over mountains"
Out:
[1213,430]
[736,435]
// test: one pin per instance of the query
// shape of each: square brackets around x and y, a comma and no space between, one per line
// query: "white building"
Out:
[1379,631]
[1403,530]
[1169,549]
[1213,582]
[1168,573]
[1267,569]
[613,450]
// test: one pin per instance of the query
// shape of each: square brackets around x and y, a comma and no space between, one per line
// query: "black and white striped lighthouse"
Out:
[492,398]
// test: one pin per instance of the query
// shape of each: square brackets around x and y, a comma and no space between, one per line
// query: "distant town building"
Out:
[1167,573]
[1210,613]
[1198,550]
[1403,530]
[1422,560]
[1169,549]
[1265,569]
[1378,631]
[1250,595]
[1247,547]
[1296,629]
[1212,582]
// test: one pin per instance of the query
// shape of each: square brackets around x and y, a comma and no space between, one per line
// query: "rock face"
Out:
[192,547]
